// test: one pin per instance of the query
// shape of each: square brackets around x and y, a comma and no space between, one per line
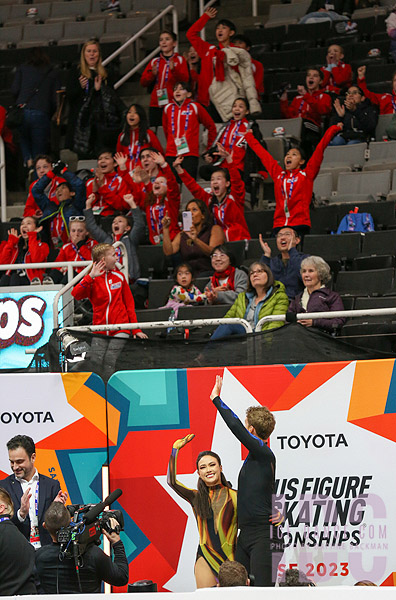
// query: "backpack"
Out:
[356,221]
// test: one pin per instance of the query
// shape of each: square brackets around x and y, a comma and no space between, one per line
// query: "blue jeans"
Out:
[338,140]
[225,330]
[35,134]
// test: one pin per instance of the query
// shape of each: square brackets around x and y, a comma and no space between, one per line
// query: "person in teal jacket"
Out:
[264,296]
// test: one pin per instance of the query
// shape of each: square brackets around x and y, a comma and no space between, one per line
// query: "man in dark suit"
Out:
[31,493]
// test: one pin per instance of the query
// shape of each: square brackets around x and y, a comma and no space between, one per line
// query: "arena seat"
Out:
[380,73]
[333,247]
[120,29]
[10,35]
[159,290]
[238,249]
[18,11]
[83,30]
[334,169]
[255,252]
[375,182]
[365,263]
[324,219]
[382,156]
[309,31]
[380,131]
[283,14]
[367,302]
[70,9]
[266,36]
[323,185]
[352,156]
[292,127]
[37,33]
[259,222]
[207,311]
[369,282]
[378,242]
[152,261]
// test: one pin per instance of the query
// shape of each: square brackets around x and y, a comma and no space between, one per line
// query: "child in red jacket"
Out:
[136,136]
[163,71]
[293,184]
[78,249]
[24,248]
[336,74]
[42,165]
[181,119]
[227,198]
[109,293]
[108,187]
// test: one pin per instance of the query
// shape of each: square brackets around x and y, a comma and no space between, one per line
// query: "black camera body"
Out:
[82,533]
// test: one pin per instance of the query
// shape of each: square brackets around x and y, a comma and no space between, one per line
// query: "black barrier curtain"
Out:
[291,344]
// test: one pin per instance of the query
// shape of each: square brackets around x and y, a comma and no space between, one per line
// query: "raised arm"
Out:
[251,442]
[180,489]
[313,165]
[268,161]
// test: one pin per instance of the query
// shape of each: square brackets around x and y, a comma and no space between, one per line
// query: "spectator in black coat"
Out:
[358,115]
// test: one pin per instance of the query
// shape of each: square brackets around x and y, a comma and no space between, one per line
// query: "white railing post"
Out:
[3,187]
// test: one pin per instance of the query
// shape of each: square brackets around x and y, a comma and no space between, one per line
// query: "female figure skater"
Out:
[214,506]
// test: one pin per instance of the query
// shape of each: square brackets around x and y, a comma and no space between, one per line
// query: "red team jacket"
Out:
[340,76]
[386,102]
[233,132]
[229,214]
[166,77]
[70,252]
[31,206]
[37,252]
[110,196]
[111,299]
[183,121]
[310,107]
[134,148]
[207,52]
[293,189]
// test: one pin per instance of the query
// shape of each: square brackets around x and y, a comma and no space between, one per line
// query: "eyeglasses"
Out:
[285,235]
[218,255]
[257,271]
[76,218]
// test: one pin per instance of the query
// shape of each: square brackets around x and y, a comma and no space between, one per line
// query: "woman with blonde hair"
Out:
[95,111]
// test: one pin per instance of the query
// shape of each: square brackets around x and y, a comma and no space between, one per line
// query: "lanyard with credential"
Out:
[287,197]
[134,156]
[165,73]
[393,104]
[236,130]
[110,186]
[36,495]
[157,227]
[178,120]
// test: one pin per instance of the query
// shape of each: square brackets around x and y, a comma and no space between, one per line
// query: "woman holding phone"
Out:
[197,240]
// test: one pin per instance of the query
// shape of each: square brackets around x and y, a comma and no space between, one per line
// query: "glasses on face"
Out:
[287,234]
[218,255]
[76,218]
[353,93]
[257,271]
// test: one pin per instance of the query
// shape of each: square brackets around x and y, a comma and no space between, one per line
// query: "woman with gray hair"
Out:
[316,297]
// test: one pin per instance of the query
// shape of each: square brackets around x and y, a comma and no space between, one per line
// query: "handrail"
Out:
[45,265]
[202,9]
[367,312]
[158,325]
[175,27]
[71,283]
[3,188]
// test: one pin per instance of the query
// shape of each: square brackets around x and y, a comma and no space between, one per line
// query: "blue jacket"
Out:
[289,273]
[74,206]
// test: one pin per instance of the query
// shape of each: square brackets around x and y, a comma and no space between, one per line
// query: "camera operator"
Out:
[16,554]
[60,576]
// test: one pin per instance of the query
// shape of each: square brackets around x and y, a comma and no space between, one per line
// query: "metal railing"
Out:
[3,188]
[142,63]
[47,265]
[347,314]
[159,325]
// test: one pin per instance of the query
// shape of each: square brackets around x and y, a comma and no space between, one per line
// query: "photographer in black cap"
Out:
[94,566]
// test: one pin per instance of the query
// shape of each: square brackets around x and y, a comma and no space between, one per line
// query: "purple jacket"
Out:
[322,300]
